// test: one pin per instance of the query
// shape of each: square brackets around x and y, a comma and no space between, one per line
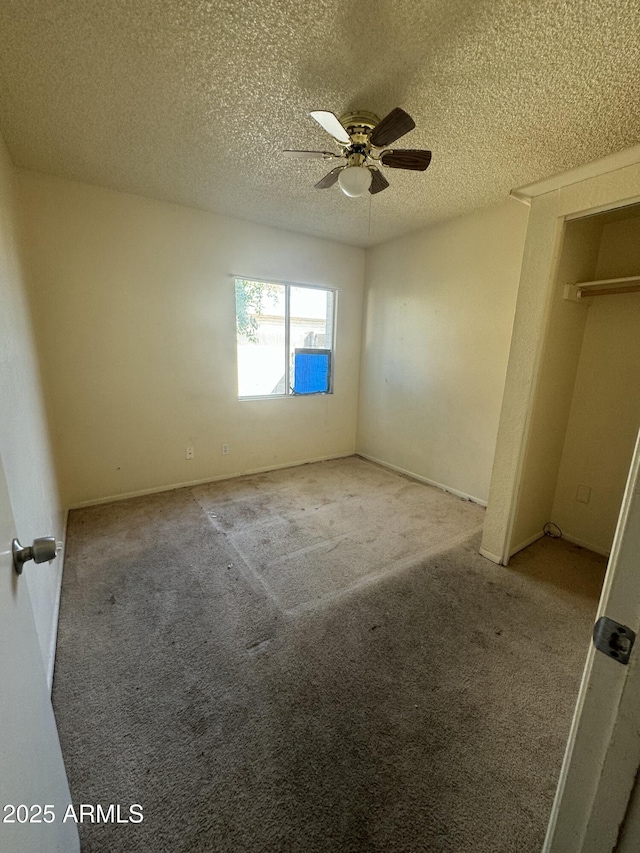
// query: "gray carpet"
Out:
[316,659]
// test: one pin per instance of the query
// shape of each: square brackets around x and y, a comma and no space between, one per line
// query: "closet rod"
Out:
[603,287]
[606,291]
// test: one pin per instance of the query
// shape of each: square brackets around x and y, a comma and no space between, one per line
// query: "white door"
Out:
[603,751]
[32,774]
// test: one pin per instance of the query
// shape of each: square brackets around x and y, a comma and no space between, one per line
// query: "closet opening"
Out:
[585,415]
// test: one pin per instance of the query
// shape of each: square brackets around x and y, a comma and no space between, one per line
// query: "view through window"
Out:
[285,338]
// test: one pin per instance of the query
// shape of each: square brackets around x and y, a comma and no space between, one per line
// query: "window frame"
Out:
[289,393]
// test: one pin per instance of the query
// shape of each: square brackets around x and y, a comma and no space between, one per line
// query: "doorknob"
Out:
[41,551]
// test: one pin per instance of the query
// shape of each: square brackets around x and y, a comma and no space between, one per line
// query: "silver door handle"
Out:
[41,551]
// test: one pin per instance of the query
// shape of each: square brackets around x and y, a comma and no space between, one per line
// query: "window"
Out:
[285,338]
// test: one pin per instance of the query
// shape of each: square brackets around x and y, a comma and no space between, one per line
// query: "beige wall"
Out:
[24,444]
[605,407]
[134,306]
[438,315]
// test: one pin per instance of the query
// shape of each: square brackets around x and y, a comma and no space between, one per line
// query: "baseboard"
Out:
[493,557]
[172,486]
[526,543]
[598,549]
[53,642]
[421,479]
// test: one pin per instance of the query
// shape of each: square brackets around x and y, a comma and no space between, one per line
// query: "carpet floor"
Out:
[316,659]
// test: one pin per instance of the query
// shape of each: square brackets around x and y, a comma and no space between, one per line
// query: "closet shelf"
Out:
[603,287]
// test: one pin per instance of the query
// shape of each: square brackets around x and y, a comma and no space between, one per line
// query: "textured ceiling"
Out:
[192,101]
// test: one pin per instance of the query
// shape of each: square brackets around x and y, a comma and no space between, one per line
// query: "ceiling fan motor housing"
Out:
[359,126]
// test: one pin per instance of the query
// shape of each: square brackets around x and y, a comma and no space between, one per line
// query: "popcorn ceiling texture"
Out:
[192,102]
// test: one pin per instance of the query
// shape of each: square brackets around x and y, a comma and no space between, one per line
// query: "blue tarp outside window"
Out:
[311,371]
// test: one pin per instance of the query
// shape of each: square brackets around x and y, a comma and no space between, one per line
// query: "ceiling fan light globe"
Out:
[354,181]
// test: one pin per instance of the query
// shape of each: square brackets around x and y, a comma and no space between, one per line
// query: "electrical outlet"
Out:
[225,449]
[189,453]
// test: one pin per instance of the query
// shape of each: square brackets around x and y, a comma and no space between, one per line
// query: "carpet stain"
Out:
[259,647]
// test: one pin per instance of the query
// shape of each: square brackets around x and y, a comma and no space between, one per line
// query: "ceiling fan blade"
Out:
[391,127]
[409,158]
[329,179]
[310,155]
[331,124]
[378,182]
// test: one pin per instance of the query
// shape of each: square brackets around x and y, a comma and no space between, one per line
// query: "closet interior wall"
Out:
[586,411]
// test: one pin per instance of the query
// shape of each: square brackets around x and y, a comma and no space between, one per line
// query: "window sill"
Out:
[284,396]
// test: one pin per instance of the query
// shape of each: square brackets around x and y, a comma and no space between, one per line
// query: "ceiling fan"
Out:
[364,140]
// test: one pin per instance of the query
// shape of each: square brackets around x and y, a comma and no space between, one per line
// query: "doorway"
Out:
[585,411]
[557,205]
